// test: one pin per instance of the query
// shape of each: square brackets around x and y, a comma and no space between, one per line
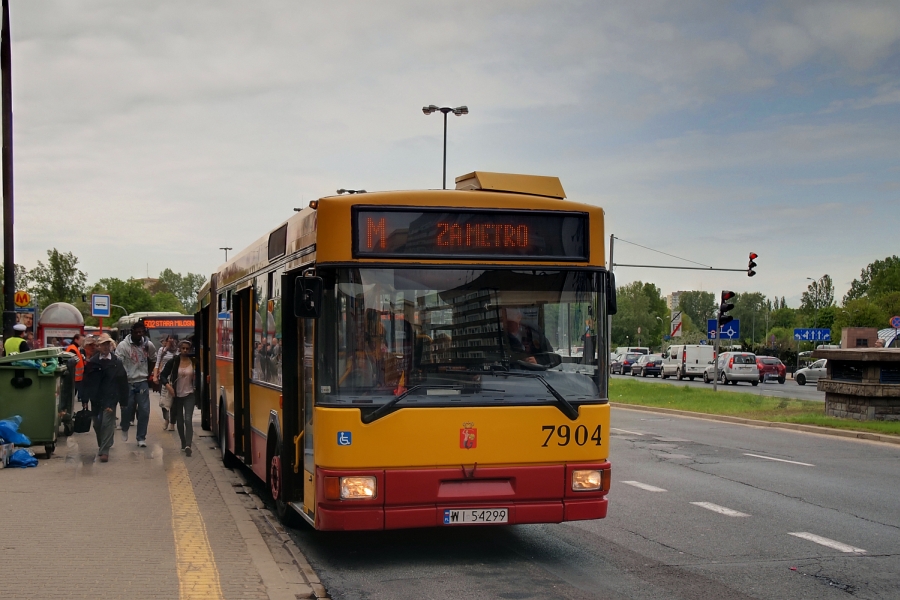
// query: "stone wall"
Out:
[862,408]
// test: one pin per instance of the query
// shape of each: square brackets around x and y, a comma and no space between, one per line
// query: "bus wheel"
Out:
[275,484]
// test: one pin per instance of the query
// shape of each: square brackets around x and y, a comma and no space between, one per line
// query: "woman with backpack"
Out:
[178,377]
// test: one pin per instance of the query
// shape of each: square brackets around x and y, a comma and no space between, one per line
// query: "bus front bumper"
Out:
[407,498]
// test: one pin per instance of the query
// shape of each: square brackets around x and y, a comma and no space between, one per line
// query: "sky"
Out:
[150,134]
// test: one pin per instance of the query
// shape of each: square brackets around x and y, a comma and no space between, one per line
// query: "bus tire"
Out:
[274,479]
[228,459]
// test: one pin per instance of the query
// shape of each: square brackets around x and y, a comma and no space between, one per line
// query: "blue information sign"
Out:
[731,331]
[808,334]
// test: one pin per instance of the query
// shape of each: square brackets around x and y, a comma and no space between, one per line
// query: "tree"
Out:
[749,307]
[783,317]
[59,280]
[639,306]
[879,277]
[861,312]
[167,302]
[819,295]
[184,287]
[698,306]
[131,294]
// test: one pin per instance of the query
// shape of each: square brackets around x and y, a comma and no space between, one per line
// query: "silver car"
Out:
[812,373]
[734,367]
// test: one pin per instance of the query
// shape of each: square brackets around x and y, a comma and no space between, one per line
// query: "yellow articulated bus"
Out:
[425,358]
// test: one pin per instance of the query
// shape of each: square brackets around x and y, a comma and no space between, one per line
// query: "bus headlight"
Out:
[356,488]
[586,481]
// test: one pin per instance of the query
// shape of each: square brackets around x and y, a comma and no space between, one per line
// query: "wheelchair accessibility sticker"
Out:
[344,438]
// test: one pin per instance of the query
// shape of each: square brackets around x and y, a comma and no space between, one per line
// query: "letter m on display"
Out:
[375,231]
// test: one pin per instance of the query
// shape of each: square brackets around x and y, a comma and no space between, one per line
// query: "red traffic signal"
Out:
[725,306]
[751,264]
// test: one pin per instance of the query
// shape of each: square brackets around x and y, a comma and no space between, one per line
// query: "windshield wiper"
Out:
[386,407]
[565,407]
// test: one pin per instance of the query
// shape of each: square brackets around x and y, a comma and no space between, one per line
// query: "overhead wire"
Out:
[661,252]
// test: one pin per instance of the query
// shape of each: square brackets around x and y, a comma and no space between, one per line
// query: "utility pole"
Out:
[9,262]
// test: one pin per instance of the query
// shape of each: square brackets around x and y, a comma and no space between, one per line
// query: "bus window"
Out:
[443,333]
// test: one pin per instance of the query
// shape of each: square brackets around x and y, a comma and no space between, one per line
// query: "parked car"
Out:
[622,365]
[811,373]
[770,368]
[688,360]
[649,364]
[734,367]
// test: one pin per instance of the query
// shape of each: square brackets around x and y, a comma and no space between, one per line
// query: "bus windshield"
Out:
[459,336]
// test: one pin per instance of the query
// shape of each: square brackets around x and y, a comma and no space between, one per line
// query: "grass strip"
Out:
[736,404]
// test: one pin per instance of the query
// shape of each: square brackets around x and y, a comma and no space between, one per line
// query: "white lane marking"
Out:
[793,462]
[827,542]
[720,509]
[625,431]
[644,486]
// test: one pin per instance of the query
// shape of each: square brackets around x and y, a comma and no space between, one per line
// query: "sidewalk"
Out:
[150,523]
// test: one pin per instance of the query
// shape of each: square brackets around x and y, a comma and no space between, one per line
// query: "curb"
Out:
[844,433]
[280,585]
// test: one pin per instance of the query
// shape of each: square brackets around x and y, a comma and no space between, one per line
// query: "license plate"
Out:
[475,515]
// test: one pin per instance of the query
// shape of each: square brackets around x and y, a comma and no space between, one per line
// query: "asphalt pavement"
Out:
[788,389]
[698,509]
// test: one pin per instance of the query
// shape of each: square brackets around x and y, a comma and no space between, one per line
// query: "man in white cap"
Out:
[105,385]
[16,342]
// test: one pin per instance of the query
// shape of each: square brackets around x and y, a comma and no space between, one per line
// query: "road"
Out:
[788,389]
[699,509]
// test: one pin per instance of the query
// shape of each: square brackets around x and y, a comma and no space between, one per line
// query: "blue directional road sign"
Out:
[809,334]
[730,331]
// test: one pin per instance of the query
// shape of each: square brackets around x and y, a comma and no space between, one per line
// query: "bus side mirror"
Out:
[612,306]
[308,292]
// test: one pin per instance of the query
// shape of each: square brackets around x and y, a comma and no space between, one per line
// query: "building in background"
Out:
[673,298]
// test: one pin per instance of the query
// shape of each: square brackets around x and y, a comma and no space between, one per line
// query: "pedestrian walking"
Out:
[75,348]
[166,352]
[105,385]
[135,352]
[178,377]
[16,342]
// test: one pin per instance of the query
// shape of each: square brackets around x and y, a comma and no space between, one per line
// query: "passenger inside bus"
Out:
[527,343]
[373,364]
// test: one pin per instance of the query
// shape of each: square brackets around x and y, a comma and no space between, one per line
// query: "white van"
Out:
[632,349]
[688,360]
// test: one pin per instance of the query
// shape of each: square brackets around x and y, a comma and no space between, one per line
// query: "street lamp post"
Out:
[226,251]
[458,111]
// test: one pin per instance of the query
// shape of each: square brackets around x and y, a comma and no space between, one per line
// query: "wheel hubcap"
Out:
[275,477]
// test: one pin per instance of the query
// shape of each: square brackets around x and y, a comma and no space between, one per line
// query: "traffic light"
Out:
[724,307]
[751,264]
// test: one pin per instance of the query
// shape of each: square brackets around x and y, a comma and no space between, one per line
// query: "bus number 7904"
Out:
[565,435]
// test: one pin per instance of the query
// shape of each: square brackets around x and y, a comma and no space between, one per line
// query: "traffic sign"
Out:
[895,322]
[729,331]
[808,334]
[22,299]
[675,325]
[101,305]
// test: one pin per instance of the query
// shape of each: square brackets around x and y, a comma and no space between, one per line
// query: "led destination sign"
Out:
[155,323]
[510,235]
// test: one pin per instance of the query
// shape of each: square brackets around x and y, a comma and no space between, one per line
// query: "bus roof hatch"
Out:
[509,182]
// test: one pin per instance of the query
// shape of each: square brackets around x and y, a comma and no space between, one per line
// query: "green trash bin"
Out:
[32,394]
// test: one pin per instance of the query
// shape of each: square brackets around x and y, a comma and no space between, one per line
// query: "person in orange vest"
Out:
[75,348]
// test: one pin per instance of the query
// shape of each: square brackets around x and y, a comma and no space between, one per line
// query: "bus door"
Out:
[298,484]
[243,338]
[202,350]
